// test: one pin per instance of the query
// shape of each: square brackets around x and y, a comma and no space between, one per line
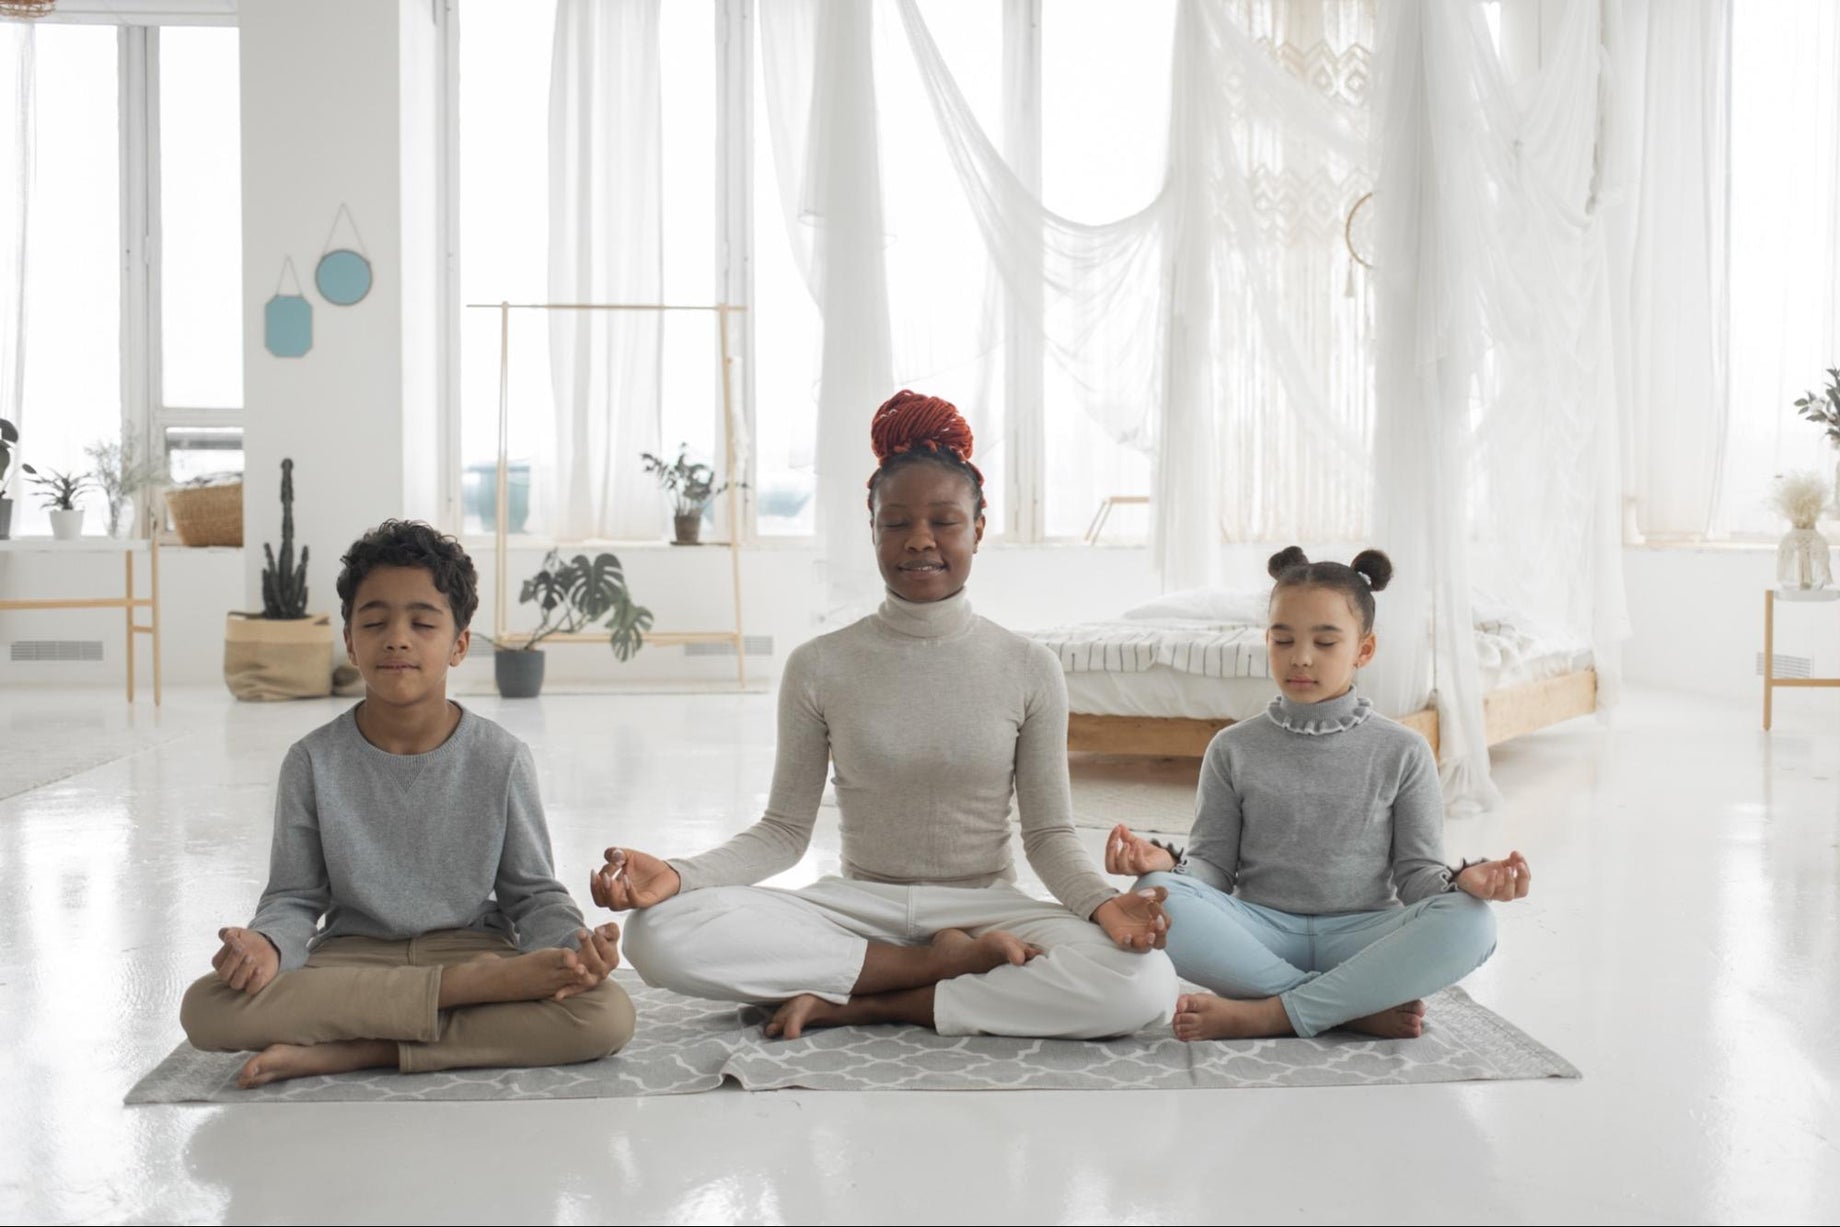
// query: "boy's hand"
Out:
[1497,881]
[1133,855]
[247,961]
[1135,921]
[599,954]
[632,878]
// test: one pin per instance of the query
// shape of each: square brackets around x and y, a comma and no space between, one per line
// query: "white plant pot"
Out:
[67,525]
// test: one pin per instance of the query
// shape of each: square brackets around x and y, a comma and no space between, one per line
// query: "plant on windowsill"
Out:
[1823,409]
[571,595]
[283,652]
[692,487]
[9,444]
[60,490]
[122,475]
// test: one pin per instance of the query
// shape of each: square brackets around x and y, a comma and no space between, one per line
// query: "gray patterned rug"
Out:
[684,1046]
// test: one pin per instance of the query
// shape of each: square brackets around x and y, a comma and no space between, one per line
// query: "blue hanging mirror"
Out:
[343,276]
[287,317]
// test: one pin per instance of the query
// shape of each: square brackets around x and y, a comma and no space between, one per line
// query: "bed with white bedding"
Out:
[1153,683]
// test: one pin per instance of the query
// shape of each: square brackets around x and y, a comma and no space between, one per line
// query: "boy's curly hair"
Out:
[411,543]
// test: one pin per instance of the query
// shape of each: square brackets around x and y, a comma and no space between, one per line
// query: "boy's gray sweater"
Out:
[396,845]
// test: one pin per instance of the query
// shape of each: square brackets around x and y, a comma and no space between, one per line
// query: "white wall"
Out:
[325,123]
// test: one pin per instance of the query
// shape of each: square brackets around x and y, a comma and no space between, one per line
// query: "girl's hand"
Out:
[599,952]
[632,878]
[1133,855]
[1135,921]
[1497,881]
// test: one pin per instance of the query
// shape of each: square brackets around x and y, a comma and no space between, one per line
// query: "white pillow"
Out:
[1241,607]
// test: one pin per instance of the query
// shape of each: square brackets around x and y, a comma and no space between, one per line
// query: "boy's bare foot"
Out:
[1401,1022]
[963,955]
[536,976]
[1203,1016]
[281,1061]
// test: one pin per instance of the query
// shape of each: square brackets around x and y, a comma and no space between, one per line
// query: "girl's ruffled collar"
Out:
[1336,715]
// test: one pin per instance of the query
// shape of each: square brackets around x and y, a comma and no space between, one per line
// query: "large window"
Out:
[1065,464]
[1785,246]
[133,284]
[505,52]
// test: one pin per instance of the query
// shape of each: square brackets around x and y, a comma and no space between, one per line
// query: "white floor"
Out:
[1682,948]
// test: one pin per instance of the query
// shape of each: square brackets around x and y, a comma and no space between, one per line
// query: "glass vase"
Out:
[1801,560]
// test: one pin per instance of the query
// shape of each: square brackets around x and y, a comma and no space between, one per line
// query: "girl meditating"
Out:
[931,718]
[1313,893]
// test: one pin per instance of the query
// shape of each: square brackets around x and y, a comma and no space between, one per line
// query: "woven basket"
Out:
[207,515]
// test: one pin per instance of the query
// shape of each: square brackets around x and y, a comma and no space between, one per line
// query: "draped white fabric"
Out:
[16,135]
[606,246]
[1222,327]
[1495,448]
[1666,158]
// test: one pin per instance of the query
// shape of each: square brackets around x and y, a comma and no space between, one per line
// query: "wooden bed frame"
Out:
[1509,713]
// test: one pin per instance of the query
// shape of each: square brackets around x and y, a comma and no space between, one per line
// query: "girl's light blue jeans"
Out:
[1324,969]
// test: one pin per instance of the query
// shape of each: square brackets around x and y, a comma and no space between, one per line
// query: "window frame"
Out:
[145,415]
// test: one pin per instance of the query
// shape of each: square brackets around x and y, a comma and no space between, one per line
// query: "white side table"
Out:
[1770,680]
[128,602]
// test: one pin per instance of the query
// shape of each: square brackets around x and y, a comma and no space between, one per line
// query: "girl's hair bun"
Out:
[1375,567]
[1286,558]
[909,420]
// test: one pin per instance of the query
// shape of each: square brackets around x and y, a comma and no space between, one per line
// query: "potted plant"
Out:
[121,474]
[692,486]
[9,443]
[571,596]
[1823,409]
[283,652]
[60,490]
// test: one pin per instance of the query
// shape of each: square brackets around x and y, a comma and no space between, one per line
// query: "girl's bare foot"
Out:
[962,954]
[1203,1016]
[535,976]
[1401,1022]
[281,1061]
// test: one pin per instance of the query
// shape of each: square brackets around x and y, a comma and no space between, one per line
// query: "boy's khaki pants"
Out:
[365,988]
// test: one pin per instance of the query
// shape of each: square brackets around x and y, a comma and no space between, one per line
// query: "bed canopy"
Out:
[1454,404]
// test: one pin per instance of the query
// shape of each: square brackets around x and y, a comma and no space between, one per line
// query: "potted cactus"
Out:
[284,652]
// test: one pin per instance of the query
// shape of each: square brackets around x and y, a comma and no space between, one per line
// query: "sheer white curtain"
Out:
[917,281]
[1785,239]
[1495,455]
[1665,173]
[16,135]
[606,246]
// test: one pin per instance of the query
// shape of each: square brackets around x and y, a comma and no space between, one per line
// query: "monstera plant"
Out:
[572,596]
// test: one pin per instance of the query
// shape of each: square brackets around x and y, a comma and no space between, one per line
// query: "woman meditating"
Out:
[932,718]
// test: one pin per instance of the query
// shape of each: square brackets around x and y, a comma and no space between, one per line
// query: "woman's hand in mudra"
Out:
[1135,921]
[1130,854]
[631,879]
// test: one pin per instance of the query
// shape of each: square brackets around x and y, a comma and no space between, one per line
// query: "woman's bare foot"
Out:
[806,1012]
[964,955]
[535,976]
[1401,1022]
[1203,1016]
[281,1061]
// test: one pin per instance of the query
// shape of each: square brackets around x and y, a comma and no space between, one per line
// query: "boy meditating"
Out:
[413,827]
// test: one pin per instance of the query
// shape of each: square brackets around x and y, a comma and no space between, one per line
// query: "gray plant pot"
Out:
[689,529]
[519,672]
[6,518]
